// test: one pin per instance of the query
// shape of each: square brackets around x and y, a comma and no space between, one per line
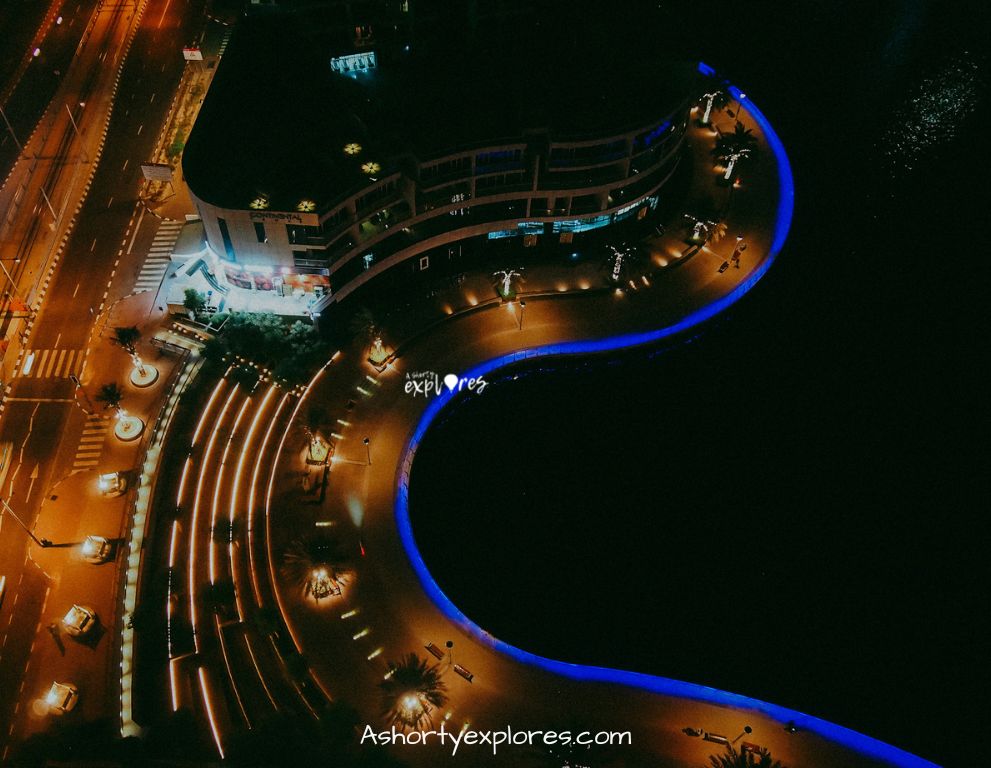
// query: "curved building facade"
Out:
[397,153]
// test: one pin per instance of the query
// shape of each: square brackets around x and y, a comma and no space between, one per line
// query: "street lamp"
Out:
[40,542]
[747,730]
[368,450]
[741,246]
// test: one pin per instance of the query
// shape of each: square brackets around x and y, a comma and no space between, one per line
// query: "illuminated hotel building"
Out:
[351,139]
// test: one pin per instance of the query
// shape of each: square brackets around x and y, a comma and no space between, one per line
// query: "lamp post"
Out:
[746,730]
[40,542]
[450,650]
[368,450]
[522,308]
[741,246]
[739,103]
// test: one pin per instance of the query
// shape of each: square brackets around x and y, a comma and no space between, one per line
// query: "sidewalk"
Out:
[387,611]
[74,509]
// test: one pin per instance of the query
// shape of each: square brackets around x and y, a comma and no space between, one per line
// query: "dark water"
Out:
[789,506]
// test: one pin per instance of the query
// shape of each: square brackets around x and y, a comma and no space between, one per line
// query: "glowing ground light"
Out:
[352,148]
[690,691]
[259,203]
[371,167]
[306,206]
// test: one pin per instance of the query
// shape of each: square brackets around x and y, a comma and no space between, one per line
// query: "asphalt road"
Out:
[28,82]
[41,416]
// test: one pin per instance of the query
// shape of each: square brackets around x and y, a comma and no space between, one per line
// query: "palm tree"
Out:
[411,688]
[364,326]
[318,564]
[733,759]
[620,261]
[733,147]
[111,397]
[713,100]
[504,282]
[127,339]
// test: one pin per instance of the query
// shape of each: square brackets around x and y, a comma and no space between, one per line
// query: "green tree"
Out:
[127,338]
[319,564]
[409,692]
[733,759]
[194,301]
[712,102]
[111,396]
[363,325]
[733,148]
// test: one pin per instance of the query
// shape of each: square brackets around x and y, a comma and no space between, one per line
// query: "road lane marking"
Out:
[50,363]
[91,442]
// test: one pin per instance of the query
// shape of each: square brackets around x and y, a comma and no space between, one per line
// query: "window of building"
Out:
[581,225]
[225,234]
[260,232]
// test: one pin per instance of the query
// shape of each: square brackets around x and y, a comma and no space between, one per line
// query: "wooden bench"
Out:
[436,652]
[715,738]
[464,672]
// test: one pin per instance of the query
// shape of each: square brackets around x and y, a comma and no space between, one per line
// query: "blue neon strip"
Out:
[844,736]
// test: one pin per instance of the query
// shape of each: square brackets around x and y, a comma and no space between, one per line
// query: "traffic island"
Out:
[128,428]
[144,376]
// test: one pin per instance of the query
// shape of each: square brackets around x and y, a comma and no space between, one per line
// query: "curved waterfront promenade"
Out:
[393,606]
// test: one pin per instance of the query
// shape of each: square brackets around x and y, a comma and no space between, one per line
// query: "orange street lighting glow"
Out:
[206,411]
[251,495]
[196,514]
[174,684]
[209,712]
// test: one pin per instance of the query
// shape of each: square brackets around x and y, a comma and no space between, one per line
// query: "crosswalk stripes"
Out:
[52,363]
[223,42]
[91,442]
[156,263]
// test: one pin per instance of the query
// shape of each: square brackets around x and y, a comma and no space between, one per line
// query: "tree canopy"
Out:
[292,351]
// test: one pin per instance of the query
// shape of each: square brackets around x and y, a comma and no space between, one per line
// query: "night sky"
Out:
[789,506]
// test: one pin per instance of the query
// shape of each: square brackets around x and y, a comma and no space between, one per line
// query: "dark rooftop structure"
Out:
[460,75]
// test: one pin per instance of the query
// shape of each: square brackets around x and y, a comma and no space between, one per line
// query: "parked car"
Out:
[112,483]
[62,698]
[79,620]
[96,549]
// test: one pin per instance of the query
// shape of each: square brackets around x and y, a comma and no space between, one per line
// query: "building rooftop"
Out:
[277,118]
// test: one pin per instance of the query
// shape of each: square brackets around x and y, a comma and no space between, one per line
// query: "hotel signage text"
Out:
[288,217]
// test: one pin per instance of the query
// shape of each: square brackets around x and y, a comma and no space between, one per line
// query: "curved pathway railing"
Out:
[853,740]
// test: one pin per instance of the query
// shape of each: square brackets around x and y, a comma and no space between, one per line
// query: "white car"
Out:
[96,549]
[79,620]
[62,697]
[112,484]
